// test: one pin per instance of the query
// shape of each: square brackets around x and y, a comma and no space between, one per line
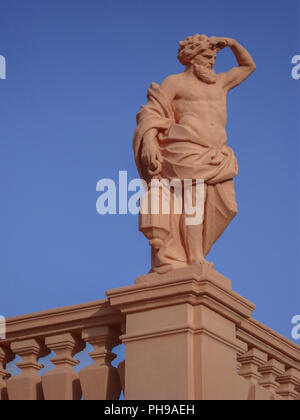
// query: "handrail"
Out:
[66,319]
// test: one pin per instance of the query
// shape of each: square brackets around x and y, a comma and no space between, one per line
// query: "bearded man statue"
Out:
[181,135]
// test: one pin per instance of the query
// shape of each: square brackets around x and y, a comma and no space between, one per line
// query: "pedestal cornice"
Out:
[196,285]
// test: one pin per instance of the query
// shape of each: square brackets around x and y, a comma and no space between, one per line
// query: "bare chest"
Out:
[201,92]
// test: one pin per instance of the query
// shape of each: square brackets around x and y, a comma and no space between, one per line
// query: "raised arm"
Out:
[246,67]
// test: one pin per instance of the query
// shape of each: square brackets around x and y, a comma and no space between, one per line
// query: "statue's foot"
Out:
[161,270]
[164,269]
[171,273]
[201,261]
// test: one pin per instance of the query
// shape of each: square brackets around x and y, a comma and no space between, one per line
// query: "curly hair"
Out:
[192,46]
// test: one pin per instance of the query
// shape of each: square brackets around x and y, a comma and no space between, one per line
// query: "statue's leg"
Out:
[194,244]
[171,254]
[193,237]
[220,209]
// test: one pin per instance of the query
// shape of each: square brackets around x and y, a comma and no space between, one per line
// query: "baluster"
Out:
[298,390]
[121,370]
[6,356]
[101,380]
[122,365]
[62,383]
[270,372]
[243,348]
[251,362]
[289,382]
[27,386]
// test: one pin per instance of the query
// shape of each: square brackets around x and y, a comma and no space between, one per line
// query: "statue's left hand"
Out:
[220,42]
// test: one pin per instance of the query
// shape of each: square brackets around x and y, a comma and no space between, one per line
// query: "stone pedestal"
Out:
[101,381]
[181,335]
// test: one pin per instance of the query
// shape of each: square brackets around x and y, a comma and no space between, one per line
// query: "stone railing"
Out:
[187,336]
[269,362]
[66,332]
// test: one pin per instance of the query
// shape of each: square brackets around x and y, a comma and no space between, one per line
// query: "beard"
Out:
[205,74]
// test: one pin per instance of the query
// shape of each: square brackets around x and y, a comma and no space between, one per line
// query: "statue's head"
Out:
[199,53]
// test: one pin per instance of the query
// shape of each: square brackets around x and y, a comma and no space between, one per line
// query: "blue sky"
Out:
[77,74]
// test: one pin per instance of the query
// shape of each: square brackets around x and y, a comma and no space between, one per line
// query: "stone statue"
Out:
[181,134]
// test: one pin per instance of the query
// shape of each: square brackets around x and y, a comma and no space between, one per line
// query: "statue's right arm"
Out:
[150,151]
[170,85]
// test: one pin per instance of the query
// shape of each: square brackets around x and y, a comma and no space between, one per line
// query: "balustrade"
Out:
[272,365]
[64,332]
[267,365]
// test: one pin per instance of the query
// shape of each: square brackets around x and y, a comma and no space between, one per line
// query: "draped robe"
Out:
[187,156]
